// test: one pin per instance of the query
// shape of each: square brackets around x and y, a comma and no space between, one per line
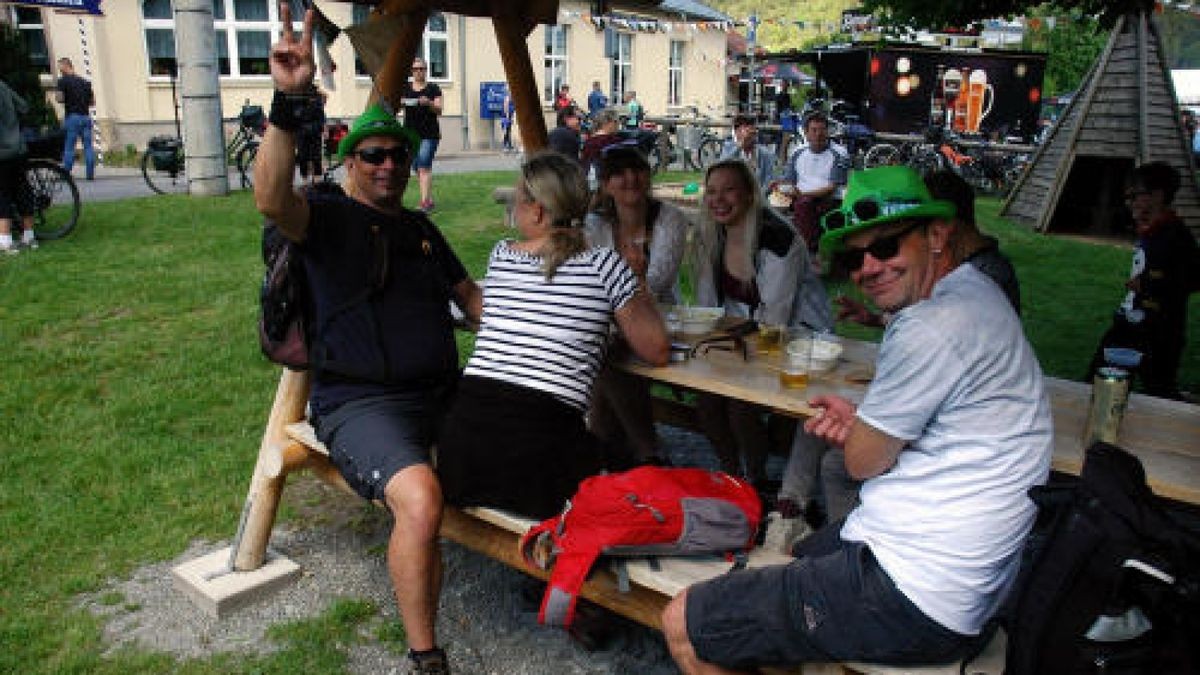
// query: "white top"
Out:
[668,237]
[958,380]
[549,335]
[817,170]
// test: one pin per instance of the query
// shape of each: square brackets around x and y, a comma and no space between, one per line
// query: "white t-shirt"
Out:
[549,335]
[818,170]
[957,379]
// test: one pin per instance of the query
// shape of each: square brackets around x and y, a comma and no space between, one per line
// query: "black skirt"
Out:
[513,448]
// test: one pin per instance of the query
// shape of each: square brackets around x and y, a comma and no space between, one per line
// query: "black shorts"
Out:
[834,603]
[16,199]
[372,439]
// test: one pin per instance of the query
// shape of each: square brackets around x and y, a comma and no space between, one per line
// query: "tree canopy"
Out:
[935,14]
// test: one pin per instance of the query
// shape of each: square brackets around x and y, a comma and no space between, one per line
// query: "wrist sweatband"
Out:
[286,111]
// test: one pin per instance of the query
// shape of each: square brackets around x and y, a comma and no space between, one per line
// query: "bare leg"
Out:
[425,181]
[414,559]
[674,621]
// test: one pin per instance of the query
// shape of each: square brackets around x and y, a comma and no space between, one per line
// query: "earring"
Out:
[936,251]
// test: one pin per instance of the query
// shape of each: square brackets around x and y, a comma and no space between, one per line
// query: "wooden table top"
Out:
[1164,434]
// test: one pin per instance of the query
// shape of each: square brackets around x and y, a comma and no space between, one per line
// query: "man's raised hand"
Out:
[292,63]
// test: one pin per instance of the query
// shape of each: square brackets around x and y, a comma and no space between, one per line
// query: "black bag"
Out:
[1111,582]
[285,301]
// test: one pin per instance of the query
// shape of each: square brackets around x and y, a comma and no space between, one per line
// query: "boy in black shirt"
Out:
[76,95]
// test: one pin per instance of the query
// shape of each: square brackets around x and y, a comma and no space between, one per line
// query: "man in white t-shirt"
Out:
[818,170]
[953,431]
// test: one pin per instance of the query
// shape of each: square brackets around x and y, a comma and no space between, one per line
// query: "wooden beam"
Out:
[1143,87]
[511,31]
[262,499]
[390,80]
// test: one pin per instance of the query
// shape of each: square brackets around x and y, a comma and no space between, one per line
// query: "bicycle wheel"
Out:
[881,154]
[55,199]
[245,165]
[709,153]
[926,160]
[165,173]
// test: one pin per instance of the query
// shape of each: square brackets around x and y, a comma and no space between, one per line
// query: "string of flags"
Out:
[646,25]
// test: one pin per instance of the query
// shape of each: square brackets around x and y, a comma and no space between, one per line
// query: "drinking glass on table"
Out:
[797,358]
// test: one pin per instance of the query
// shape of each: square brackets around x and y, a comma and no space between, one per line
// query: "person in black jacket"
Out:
[77,98]
[565,138]
[1166,270]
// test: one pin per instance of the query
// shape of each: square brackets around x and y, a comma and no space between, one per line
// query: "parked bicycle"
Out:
[52,190]
[164,165]
[923,155]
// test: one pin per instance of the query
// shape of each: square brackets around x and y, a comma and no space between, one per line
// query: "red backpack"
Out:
[644,511]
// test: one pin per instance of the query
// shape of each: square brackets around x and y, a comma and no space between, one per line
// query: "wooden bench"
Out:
[289,444]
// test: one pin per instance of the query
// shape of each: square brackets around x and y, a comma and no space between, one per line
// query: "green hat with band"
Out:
[878,196]
[376,121]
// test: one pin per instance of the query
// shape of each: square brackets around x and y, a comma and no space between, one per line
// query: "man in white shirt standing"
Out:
[818,171]
[953,431]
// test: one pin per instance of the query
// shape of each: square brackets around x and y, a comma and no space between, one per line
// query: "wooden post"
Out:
[275,457]
[389,82]
[511,31]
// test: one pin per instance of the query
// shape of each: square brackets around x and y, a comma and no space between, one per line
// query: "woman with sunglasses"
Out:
[650,236]
[753,263]
[515,437]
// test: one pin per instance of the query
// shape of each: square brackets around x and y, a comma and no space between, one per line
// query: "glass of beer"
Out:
[797,359]
[770,339]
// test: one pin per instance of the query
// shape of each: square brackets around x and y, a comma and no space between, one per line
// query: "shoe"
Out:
[426,206]
[10,249]
[29,241]
[432,662]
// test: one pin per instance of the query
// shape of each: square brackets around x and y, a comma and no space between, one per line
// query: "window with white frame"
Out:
[244,29]
[556,63]
[675,73]
[434,48]
[622,64]
[28,20]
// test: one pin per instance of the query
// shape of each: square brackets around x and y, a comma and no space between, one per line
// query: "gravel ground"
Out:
[487,619]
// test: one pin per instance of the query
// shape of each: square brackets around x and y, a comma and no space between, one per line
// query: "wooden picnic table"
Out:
[1163,434]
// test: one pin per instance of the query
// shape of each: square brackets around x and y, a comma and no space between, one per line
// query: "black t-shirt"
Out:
[564,140]
[421,117]
[404,332]
[77,94]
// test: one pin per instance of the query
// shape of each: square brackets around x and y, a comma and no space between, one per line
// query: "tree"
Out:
[943,13]
[1072,44]
[20,74]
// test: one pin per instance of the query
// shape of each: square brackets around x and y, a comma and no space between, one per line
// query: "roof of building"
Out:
[688,9]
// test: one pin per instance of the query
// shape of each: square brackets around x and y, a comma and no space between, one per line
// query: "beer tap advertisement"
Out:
[996,94]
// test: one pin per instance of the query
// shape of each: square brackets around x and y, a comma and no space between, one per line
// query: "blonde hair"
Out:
[557,183]
[709,249]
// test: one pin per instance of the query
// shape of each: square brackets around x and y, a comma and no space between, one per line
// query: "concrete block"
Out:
[218,590]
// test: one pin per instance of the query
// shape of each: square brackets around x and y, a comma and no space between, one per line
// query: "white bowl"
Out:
[699,320]
[823,354]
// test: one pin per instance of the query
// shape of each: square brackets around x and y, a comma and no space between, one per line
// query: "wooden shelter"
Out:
[1125,114]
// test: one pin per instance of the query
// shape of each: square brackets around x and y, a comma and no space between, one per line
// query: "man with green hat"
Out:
[384,358]
[953,430]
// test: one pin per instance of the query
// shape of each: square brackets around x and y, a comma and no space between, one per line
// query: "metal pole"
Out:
[204,140]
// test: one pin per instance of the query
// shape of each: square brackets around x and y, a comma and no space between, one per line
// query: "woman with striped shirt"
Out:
[515,437]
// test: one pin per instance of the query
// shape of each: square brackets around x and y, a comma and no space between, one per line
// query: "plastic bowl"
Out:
[699,320]
[1122,357]
[823,354]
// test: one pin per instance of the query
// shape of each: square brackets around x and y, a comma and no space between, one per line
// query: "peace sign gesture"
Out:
[292,63]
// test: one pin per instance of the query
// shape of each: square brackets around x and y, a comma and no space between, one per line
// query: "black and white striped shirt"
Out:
[549,335]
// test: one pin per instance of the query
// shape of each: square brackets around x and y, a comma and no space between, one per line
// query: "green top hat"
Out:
[376,121]
[878,196]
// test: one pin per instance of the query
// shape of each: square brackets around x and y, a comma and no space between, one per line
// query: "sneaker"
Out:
[10,249]
[432,662]
[28,240]
[426,206]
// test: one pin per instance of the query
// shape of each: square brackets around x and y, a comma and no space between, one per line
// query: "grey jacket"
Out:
[763,163]
[12,106]
[667,241]
[790,290]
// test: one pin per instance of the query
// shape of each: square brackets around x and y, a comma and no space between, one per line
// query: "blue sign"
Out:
[491,99]
[86,6]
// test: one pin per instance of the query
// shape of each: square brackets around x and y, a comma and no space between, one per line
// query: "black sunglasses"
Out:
[378,155]
[867,208]
[883,248]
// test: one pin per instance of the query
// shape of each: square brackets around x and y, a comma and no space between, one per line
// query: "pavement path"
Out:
[114,183]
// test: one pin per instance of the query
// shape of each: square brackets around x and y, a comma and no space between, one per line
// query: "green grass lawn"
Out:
[132,400]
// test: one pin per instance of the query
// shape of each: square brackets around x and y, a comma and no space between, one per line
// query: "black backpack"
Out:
[1110,582]
[285,331]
